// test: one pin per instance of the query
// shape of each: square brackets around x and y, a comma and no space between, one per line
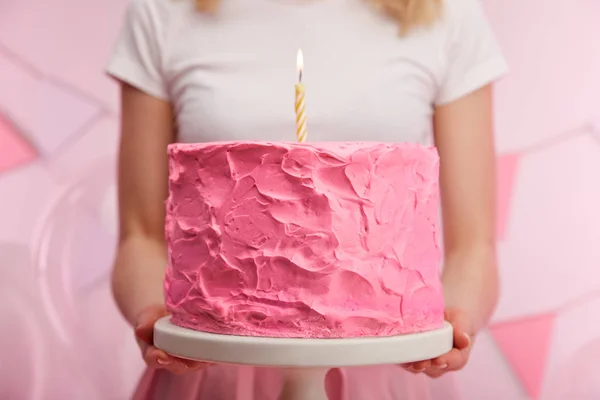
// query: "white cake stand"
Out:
[306,361]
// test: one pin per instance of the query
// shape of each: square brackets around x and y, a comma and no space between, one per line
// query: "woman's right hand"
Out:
[155,358]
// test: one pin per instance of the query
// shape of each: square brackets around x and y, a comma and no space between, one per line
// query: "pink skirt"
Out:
[228,382]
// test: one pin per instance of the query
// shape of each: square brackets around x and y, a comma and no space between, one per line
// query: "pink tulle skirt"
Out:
[227,382]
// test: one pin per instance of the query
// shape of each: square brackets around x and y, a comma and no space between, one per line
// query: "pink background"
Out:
[59,328]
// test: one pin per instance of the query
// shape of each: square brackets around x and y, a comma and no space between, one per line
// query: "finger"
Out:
[417,367]
[181,366]
[193,364]
[462,340]
[440,363]
[198,366]
[144,328]
[409,368]
[142,345]
[159,359]
[438,367]
[453,360]
[165,358]
[178,368]
[144,333]
[434,372]
[421,366]
[461,328]
[150,314]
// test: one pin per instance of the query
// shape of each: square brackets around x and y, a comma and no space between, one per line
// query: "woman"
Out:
[189,75]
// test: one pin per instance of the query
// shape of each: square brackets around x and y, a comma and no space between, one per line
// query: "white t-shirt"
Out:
[231,76]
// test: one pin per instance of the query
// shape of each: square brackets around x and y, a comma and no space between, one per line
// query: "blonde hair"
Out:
[408,13]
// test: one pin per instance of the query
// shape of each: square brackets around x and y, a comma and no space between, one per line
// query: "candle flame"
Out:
[300,63]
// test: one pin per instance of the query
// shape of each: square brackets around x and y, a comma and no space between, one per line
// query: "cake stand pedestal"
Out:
[304,361]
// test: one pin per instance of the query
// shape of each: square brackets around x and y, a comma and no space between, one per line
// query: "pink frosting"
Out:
[303,240]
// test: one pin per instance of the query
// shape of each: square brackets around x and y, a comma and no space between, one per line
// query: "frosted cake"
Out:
[319,240]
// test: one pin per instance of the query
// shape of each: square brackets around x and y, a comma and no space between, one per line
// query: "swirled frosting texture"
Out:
[303,240]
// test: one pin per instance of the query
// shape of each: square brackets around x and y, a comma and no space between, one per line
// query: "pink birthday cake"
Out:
[319,240]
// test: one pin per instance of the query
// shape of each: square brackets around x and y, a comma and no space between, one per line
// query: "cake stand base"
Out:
[305,361]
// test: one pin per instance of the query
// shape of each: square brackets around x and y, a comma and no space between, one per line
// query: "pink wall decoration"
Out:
[554,208]
[525,344]
[14,148]
[60,334]
[506,171]
[18,82]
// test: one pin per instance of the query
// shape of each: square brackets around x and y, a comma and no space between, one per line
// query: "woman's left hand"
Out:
[456,358]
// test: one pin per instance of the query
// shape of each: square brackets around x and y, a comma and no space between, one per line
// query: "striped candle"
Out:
[300,103]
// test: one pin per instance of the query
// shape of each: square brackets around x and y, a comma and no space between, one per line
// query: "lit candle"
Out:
[300,95]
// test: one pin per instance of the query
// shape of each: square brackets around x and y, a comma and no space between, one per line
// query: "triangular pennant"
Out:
[525,344]
[506,172]
[14,149]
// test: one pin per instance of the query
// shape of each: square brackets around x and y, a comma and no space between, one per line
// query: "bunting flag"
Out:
[14,149]
[525,344]
[507,166]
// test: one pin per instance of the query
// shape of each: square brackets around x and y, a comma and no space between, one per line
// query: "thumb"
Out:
[461,325]
[144,328]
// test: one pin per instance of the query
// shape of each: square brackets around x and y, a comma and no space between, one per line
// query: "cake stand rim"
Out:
[301,352]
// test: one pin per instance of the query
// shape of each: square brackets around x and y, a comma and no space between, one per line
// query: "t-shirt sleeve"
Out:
[473,56]
[138,52]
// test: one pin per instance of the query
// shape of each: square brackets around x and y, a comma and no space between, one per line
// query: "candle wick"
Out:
[300,76]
